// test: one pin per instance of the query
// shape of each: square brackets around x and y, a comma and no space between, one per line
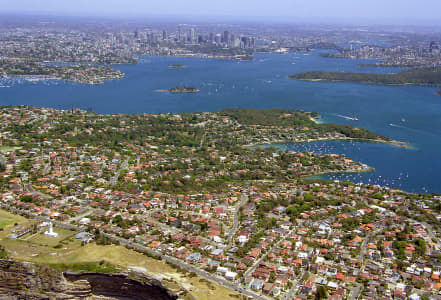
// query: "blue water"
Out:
[406,113]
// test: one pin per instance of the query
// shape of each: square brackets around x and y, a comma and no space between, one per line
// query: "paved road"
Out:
[254,266]
[47,169]
[429,230]
[41,218]
[124,165]
[175,230]
[364,245]
[243,201]
[355,292]
[290,294]
[77,218]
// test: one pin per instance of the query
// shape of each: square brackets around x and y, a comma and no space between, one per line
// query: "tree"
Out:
[321,293]
[420,248]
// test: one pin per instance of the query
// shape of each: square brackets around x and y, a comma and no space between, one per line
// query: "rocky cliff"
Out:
[30,281]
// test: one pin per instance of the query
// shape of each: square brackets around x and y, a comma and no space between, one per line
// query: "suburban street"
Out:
[124,166]
[243,201]
[254,266]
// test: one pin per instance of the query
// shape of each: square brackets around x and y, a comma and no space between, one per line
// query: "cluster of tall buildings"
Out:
[225,39]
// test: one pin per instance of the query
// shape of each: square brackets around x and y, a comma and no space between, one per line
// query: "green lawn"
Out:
[9,148]
[44,240]
[7,219]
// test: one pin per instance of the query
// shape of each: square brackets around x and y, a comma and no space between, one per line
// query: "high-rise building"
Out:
[192,36]
[246,42]
[226,37]
[218,38]
[253,42]
[164,35]
[432,44]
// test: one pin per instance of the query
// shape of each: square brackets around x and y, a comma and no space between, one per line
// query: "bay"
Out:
[406,113]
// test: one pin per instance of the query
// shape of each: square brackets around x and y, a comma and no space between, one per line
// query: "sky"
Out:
[389,11]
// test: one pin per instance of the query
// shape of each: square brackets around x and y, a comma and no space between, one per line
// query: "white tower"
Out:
[50,231]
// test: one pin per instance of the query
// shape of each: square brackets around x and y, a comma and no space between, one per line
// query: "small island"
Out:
[184,89]
[422,76]
[176,90]
[176,66]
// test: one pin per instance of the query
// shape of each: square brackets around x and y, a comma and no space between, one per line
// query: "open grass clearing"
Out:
[44,240]
[7,219]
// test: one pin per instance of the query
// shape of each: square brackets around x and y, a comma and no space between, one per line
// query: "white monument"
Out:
[50,231]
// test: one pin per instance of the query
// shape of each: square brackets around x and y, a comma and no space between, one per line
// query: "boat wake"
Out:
[397,126]
[347,117]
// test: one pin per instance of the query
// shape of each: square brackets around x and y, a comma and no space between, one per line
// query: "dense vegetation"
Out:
[429,76]
[3,253]
[280,117]
[269,117]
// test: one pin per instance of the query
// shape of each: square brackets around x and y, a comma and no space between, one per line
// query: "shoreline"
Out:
[317,120]
[364,82]
[348,171]
[37,78]
[392,142]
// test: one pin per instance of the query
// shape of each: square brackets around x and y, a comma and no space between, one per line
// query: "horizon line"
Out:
[277,20]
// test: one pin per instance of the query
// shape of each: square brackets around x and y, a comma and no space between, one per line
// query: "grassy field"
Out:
[9,148]
[7,219]
[44,240]
[67,252]
[129,259]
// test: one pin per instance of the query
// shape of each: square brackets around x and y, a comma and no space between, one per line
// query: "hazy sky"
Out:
[284,10]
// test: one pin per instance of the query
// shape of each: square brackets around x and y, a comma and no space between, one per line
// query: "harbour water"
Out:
[406,113]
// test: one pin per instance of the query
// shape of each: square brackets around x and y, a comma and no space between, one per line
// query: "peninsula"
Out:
[87,74]
[423,76]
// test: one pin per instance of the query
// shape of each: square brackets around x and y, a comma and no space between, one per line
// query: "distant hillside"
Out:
[431,76]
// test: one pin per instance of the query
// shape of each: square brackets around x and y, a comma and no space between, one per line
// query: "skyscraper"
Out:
[192,36]
[226,37]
